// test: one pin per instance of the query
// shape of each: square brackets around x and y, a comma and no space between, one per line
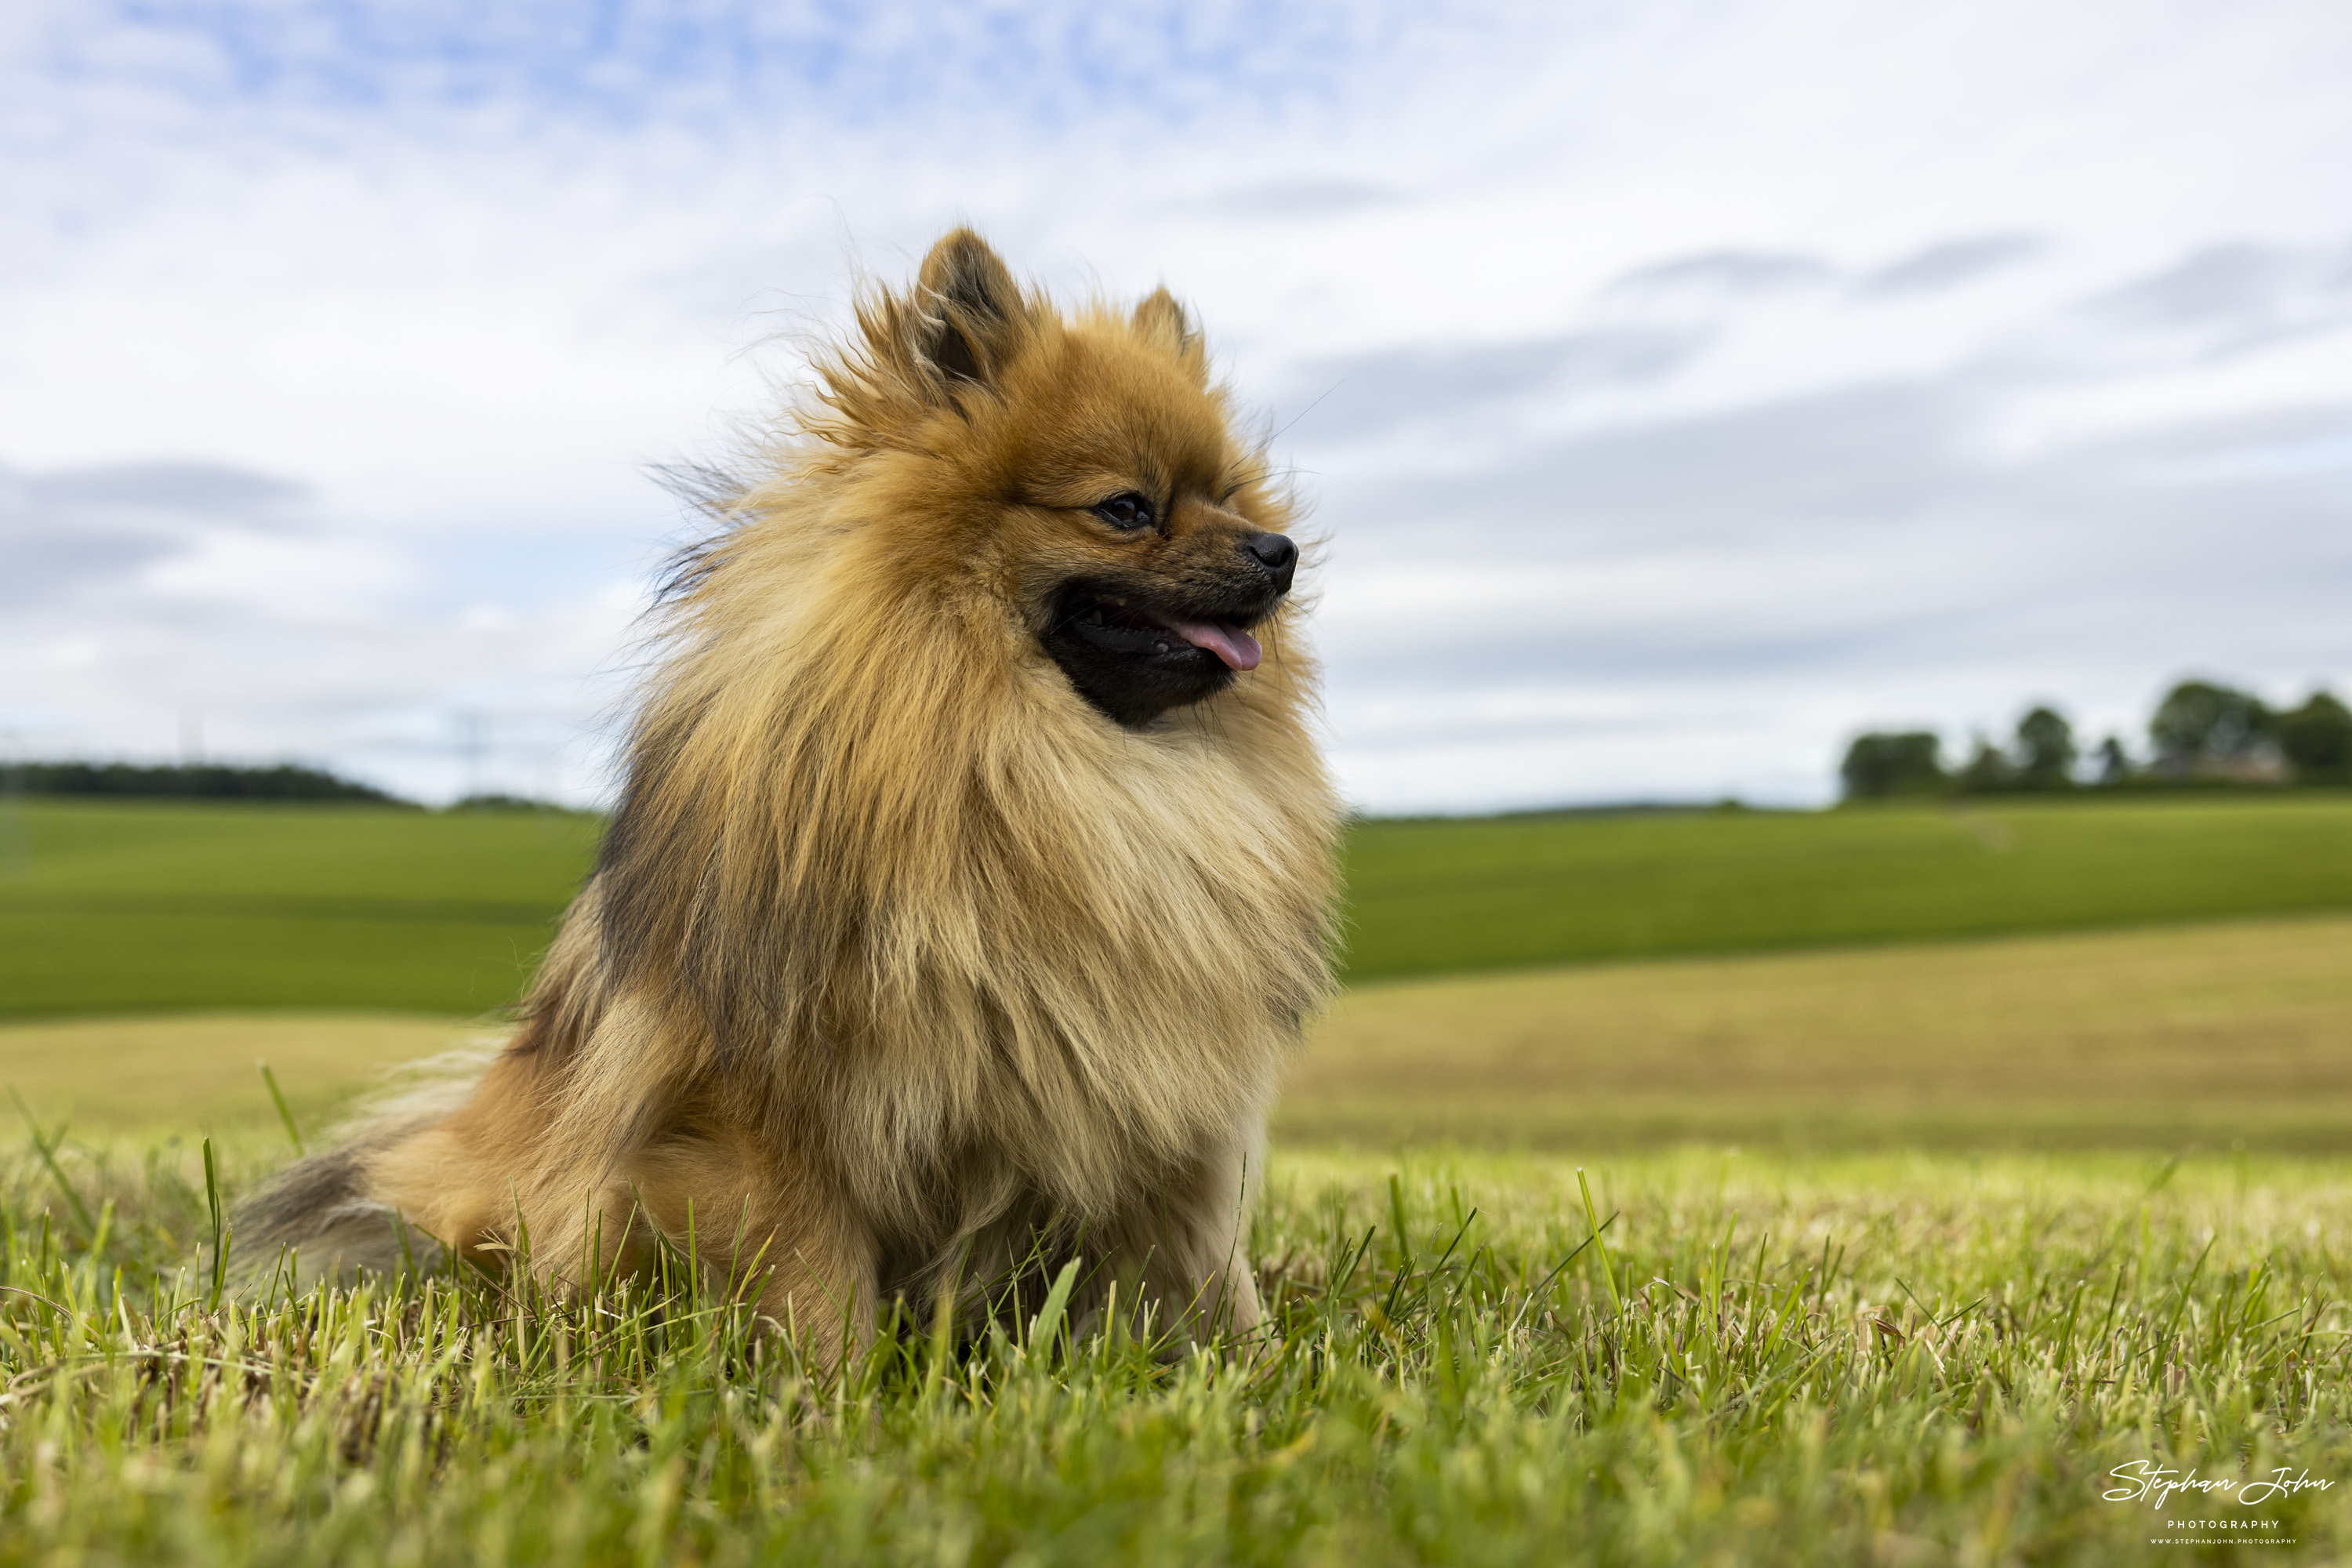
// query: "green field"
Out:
[1880,1361]
[1499,892]
[123,906]
[1803,1335]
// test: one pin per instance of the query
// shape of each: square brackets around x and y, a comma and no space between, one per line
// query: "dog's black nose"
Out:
[1276,554]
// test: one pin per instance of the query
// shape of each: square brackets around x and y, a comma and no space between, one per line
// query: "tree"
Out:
[1879,764]
[2045,750]
[1987,770]
[2114,766]
[2201,728]
[2317,740]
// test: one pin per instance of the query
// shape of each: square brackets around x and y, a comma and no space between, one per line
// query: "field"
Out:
[1503,892]
[1850,1360]
[2159,1037]
[119,907]
[122,906]
[1944,1165]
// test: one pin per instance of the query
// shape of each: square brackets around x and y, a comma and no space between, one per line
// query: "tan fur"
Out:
[900,956]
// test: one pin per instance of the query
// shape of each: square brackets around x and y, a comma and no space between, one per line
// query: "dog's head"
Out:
[1081,471]
[922,721]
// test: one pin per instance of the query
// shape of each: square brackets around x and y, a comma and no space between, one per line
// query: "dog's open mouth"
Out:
[1125,626]
[1135,653]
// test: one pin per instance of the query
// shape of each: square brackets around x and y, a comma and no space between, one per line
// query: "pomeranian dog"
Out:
[971,880]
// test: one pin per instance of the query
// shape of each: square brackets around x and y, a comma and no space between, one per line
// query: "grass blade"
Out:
[285,1112]
[1048,1322]
[219,1226]
[47,1149]
[1601,1248]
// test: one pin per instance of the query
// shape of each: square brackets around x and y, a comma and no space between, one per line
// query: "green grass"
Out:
[124,906]
[129,906]
[1873,1361]
[1496,892]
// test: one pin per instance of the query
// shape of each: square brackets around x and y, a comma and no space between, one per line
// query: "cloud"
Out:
[1681,387]
[1300,199]
[148,599]
[2226,285]
[204,489]
[1948,264]
[307,648]
[1727,273]
[1786,574]
[1366,397]
[715,69]
[72,531]
[1825,467]
[2230,299]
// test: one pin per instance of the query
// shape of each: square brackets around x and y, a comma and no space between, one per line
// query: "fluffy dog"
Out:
[971,877]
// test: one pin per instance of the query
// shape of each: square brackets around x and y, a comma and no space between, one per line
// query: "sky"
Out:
[1679,387]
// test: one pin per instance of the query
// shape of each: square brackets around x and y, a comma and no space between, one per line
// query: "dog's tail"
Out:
[321,1221]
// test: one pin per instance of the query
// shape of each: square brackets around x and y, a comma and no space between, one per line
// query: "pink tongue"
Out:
[1234,646]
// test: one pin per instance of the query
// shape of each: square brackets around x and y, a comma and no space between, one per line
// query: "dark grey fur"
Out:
[314,1223]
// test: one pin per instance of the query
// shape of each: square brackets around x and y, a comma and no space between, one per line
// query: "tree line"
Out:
[2202,735]
[223,781]
[195,781]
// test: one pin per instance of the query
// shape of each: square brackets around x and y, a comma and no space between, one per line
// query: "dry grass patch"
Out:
[2210,1033]
[2154,1038]
[195,1073]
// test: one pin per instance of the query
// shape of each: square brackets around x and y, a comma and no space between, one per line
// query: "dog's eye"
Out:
[1126,510]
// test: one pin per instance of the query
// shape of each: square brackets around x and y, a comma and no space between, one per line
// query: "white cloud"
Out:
[1723,375]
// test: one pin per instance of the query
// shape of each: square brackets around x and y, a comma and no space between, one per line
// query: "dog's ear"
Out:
[1163,318]
[973,315]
